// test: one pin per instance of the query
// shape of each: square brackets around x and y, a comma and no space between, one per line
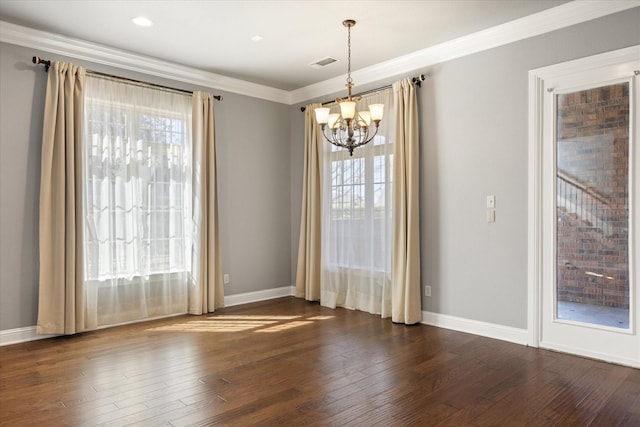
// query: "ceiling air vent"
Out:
[323,62]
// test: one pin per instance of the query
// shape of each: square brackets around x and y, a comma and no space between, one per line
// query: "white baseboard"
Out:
[18,335]
[285,291]
[484,329]
[28,333]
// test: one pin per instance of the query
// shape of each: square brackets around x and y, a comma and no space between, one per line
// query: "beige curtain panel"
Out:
[61,295]
[206,290]
[405,262]
[310,244]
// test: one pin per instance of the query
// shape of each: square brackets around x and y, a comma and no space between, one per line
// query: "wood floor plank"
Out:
[291,362]
[608,406]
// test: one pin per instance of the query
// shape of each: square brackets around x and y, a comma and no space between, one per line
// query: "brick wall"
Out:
[593,197]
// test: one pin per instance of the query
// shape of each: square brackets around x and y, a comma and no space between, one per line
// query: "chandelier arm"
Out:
[363,134]
[324,134]
[333,139]
[367,138]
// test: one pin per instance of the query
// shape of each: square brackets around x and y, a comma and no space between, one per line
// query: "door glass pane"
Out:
[592,211]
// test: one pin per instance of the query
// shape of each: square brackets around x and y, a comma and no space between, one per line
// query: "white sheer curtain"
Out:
[137,185]
[357,219]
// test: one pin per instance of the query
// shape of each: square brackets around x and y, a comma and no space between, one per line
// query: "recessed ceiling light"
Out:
[257,38]
[142,21]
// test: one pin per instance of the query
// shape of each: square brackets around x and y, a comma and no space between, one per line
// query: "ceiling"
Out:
[216,36]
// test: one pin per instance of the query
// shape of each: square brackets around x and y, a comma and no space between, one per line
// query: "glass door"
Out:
[590,215]
[592,205]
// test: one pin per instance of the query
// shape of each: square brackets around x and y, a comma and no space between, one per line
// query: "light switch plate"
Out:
[491,202]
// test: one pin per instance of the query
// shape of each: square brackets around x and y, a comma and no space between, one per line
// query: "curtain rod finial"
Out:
[418,80]
[37,60]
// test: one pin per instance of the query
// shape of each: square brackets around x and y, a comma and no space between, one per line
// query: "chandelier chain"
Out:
[349,80]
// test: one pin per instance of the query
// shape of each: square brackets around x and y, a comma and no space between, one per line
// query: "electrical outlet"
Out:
[225,279]
[427,291]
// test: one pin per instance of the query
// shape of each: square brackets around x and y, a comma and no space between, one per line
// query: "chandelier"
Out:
[351,128]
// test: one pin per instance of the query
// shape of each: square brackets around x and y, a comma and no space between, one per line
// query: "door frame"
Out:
[537,88]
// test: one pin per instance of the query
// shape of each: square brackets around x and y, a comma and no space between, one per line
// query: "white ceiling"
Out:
[215,36]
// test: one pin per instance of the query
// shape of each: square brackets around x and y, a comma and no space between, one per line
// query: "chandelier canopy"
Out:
[350,128]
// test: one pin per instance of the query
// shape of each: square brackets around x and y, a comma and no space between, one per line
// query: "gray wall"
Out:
[473,143]
[21,96]
[473,118]
[254,185]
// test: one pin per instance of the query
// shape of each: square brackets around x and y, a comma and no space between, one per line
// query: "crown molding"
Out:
[99,54]
[556,18]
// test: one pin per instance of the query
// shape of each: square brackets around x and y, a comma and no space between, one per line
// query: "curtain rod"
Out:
[415,80]
[39,61]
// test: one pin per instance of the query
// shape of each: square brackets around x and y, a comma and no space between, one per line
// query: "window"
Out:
[137,200]
[136,160]
[361,204]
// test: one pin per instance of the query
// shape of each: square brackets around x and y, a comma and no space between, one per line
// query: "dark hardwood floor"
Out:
[291,362]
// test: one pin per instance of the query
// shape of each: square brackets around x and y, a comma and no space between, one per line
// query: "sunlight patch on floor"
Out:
[285,326]
[231,323]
